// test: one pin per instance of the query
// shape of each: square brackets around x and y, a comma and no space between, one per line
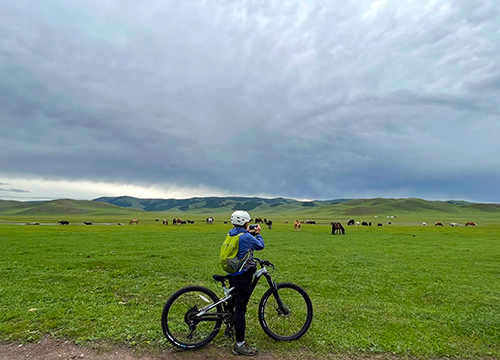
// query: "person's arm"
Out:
[257,242]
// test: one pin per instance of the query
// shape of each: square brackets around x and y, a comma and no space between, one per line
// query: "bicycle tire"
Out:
[290,326]
[176,318]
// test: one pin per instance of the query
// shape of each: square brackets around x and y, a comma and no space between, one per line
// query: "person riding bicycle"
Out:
[242,280]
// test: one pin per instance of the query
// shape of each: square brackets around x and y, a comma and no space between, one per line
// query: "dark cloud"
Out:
[296,99]
[14,190]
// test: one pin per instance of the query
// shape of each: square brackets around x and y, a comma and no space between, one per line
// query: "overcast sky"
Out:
[274,98]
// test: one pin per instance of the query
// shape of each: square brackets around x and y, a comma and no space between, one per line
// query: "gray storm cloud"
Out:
[303,99]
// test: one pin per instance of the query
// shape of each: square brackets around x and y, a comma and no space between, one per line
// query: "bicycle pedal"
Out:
[229,333]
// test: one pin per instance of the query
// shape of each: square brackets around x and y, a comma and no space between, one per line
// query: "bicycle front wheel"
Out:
[285,313]
[185,320]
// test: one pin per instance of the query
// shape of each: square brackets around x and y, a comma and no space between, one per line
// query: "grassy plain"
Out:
[402,288]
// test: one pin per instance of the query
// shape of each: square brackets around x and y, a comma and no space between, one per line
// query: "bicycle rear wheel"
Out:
[182,323]
[288,321]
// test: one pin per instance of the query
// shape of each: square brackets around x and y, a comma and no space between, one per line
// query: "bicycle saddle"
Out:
[221,278]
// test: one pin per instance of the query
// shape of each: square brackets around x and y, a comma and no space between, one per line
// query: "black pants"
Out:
[243,287]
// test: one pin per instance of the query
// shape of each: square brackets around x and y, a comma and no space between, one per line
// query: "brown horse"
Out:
[297,225]
[133,221]
[165,222]
[337,228]
[470,223]
[438,224]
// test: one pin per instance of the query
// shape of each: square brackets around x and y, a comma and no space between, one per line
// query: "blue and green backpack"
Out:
[229,254]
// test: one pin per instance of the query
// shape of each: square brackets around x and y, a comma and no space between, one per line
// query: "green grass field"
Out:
[401,289]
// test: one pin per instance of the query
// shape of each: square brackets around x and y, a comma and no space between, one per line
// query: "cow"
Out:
[470,223]
[297,225]
[133,221]
[438,224]
[337,228]
[350,222]
[63,222]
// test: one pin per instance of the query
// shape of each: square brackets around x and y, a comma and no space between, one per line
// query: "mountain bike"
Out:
[193,316]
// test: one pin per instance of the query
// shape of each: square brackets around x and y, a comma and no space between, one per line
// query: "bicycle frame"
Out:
[229,293]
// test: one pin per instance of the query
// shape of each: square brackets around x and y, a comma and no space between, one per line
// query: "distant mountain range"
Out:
[280,205]
[127,205]
[210,203]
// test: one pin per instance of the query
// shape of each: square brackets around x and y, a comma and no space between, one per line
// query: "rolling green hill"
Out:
[342,208]
[61,207]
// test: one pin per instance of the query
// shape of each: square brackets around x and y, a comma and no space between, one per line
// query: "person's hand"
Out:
[257,229]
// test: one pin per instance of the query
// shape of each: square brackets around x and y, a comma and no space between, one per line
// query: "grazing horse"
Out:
[269,224]
[297,225]
[470,223]
[453,224]
[424,223]
[210,220]
[364,223]
[337,228]
[259,221]
[438,224]
[350,222]
[87,222]
[133,221]
[165,222]
[63,222]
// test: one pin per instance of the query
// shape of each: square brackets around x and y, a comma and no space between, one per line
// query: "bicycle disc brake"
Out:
[285,310]
[191,320]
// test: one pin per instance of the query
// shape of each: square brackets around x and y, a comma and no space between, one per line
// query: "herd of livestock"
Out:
[337,227]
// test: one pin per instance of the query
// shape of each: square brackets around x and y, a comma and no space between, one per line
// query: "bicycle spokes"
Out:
[285,313]
[187,320]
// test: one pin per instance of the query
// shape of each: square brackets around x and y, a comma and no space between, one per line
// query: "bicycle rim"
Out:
[290,322]
[180,324]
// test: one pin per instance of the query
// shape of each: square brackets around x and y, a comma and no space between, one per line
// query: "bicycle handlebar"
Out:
[264,262]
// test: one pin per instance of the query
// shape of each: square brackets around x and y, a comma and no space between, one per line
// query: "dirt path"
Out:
[56,349]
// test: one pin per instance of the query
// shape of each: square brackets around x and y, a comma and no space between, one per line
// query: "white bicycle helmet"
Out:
[240,217]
